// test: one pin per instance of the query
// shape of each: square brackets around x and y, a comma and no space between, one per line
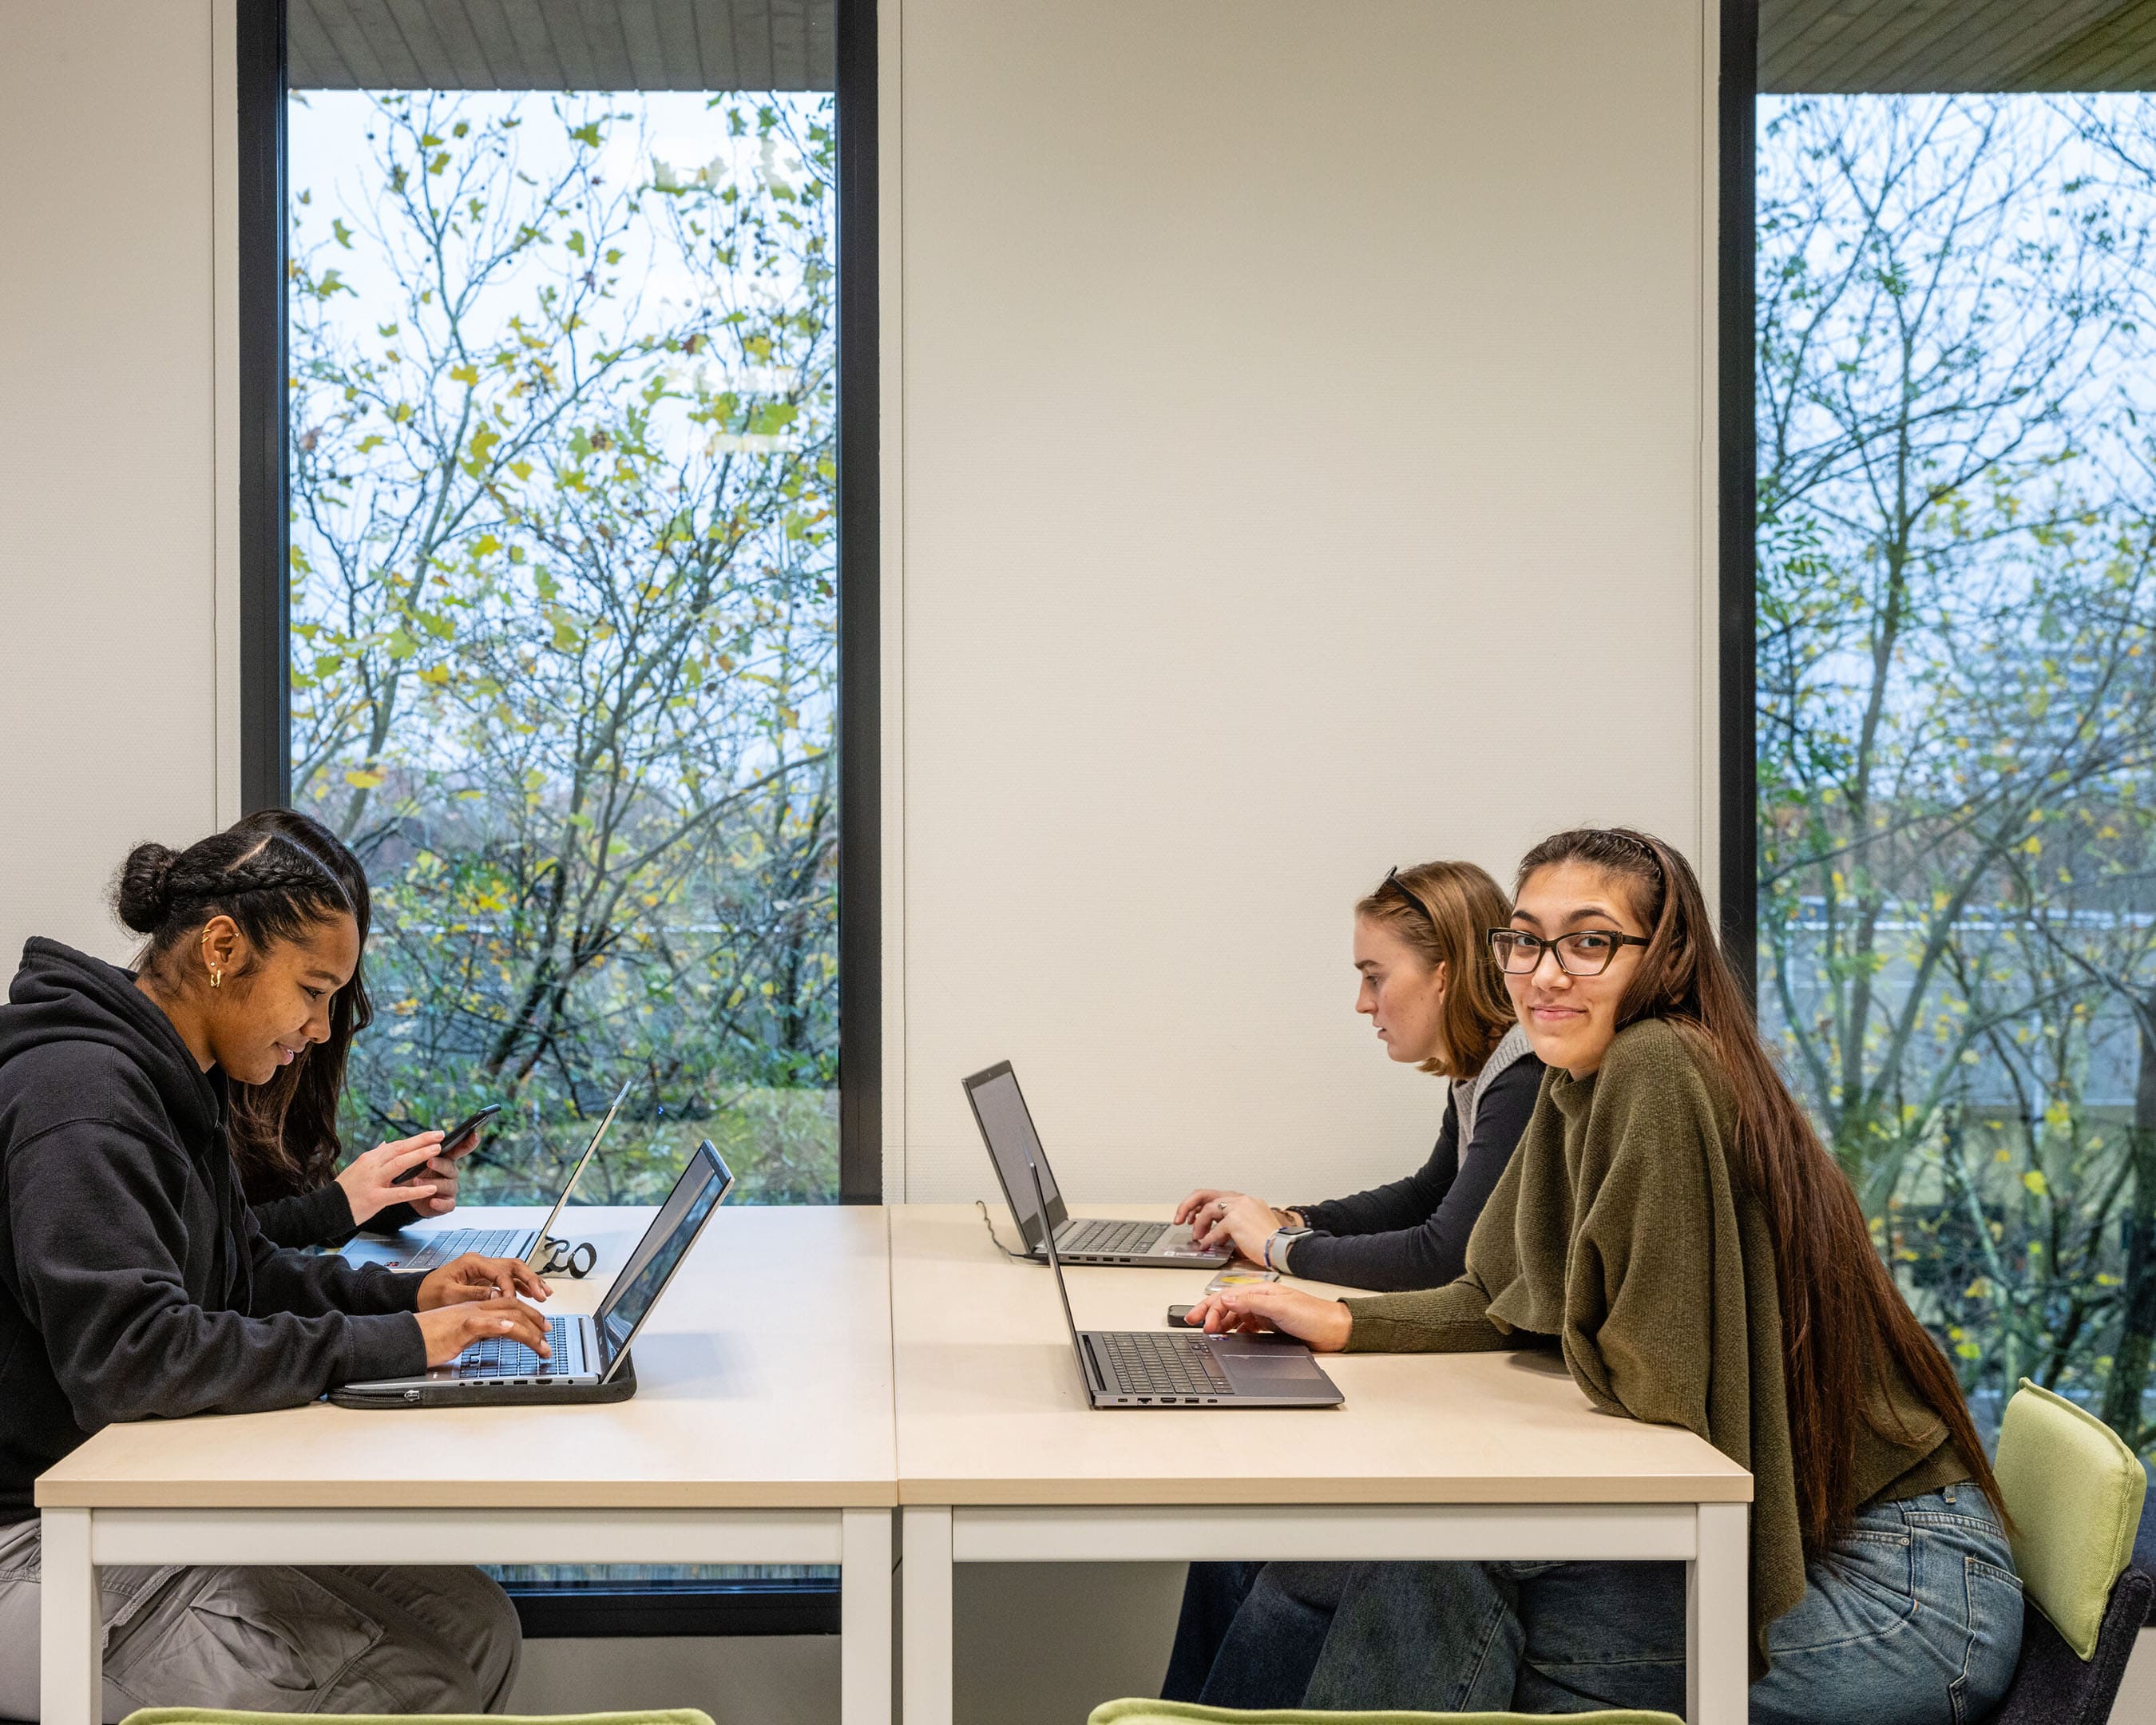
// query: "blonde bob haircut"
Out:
[1444,912]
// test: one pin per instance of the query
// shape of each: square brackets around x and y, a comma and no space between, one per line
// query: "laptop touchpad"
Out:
[1261,1363]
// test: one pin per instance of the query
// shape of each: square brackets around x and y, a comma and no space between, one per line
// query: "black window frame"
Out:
[1737,488]
[265,770]
[794,1605]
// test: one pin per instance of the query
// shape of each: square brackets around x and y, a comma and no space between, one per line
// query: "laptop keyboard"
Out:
[501,1357]
[487,1242]
[1103,1238]
[1142,1362]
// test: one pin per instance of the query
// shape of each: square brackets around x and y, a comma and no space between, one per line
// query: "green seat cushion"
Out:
[2074,1491]
[1148,1712]
[220,1715]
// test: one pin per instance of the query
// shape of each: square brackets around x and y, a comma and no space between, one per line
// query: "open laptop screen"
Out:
[660,1253]
[1000,1111]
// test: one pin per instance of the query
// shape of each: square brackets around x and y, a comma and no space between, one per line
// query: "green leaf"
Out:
[466,374]
[343,233]
[576,241]
[588,135]
[773,417]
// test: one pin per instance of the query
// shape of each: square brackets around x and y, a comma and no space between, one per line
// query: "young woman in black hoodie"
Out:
[134,1283]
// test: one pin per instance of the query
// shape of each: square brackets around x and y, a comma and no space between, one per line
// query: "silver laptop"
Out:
[529,1243]
[1168,1368]
[590,1357]
[1007,1128]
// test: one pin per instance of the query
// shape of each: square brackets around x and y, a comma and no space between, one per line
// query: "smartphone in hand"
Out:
[461,1140]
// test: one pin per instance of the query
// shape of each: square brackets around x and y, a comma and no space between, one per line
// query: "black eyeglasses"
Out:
[1586,952]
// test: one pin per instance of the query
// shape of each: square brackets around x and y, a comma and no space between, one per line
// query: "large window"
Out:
[559,592]
[1956,704]
[542,500]
[563,611]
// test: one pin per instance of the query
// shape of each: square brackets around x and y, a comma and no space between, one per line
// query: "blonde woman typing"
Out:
[1433,995]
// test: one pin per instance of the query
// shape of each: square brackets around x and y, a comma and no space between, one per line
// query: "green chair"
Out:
[220,1715]
[2076,1496]
[1182,1712]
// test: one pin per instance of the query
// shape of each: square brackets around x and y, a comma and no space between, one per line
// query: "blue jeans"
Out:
[1914,1618]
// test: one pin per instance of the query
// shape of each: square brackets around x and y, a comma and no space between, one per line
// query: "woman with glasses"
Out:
[1673,1226]
[1435,1000]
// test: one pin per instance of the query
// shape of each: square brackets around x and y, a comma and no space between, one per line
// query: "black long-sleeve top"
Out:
[320,1218]
[1413,1232]
[133,1281]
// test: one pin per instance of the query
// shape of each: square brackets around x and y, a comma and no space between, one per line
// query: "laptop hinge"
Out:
[1095,1379]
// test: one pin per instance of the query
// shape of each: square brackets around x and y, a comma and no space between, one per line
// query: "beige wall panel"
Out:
[1264,363]
[108,701]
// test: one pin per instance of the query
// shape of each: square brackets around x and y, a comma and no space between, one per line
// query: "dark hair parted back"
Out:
[1838,1300]
[1443,911]
[277,874]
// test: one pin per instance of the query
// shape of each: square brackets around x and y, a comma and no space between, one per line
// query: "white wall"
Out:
[1261,361]
[109,684]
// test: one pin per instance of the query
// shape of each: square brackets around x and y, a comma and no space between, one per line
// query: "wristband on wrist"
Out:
[1279,1244]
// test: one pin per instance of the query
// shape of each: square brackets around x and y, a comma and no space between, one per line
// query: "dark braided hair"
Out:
[277,874]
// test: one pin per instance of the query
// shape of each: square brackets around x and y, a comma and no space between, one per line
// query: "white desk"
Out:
[761,1432]
[1493,1455]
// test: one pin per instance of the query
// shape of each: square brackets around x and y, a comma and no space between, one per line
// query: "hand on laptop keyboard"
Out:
[475,1299]
[506,1358]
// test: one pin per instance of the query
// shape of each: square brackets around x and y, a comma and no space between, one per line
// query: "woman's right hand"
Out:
[1324,1324]
[449,1330]
[370,1181]
[1186,1213]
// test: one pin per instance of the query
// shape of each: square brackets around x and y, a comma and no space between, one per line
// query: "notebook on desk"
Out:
[1006,1126]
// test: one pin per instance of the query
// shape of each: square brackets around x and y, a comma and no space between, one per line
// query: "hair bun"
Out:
[143,894]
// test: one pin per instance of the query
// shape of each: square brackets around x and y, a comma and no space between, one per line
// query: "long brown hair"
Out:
[1838,1301]
[1443,912]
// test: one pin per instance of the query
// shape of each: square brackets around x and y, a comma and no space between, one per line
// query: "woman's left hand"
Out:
[371,1181]
[1236,1219]
[473,1277]
[1324,1324]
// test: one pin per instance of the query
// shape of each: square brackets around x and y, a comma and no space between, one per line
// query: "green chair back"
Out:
[221,1715]
[1180,1712]
[2073,1490]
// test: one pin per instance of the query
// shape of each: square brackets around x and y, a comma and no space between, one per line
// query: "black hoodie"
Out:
[133,1279]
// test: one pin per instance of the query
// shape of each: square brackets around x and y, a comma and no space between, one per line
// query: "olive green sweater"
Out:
[1622,1228]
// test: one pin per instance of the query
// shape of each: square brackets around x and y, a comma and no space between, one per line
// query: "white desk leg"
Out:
[926,1656]
[70,1642]
[1717,1624]
[864,1612]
